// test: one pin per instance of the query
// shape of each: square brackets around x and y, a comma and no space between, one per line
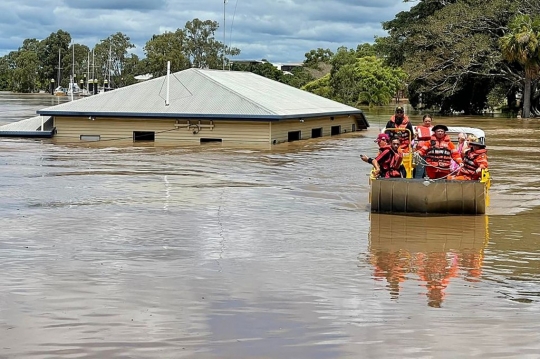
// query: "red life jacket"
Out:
[424,134]
[403,135]
[389,162]
[439,153]
[470,164]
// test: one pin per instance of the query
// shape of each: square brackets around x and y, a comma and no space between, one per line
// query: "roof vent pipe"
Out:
[168,75]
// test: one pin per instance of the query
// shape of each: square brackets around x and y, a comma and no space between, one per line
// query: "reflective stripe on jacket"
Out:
[389,162]
[472,161]
[402,135]
[439,153]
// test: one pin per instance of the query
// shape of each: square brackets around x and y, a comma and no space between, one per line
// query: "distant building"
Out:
[247,62]
[204,106]
[291,66]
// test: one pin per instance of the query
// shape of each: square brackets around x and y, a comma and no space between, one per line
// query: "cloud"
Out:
[278,30]
[115,4]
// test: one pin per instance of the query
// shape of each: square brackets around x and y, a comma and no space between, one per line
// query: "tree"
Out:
[320,86]
[522,45]
[4,73]
[110,58]
[378,83]
[315,57]
[450,51]
[342,76]
[366,49]
[56,42]
[76,62]
[357,80]
[202,48]
[24,75]
[299,77]
[169,46]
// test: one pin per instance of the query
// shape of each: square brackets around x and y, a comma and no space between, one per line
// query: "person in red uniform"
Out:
[474,160]
[423,131]
[423,134]
[438,153]
[383,141]
[388,162]
[401,121]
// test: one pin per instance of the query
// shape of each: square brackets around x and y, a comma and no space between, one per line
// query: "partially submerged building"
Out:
[195,105]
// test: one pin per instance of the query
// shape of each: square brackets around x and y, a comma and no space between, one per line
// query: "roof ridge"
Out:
[236,93]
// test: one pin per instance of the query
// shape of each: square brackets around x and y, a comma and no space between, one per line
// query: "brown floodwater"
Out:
[122,251]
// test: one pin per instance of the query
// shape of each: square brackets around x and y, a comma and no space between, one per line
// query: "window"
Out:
[90,138]
[294,136]
[316,132]
[335,130]
[143,136]
[210,140]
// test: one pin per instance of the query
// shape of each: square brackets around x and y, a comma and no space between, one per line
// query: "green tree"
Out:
[359,80]
[76,62]
[299,77]
[202,48]
[4,73]
[49,48]
[169,46]
[24,75]
[320,86]
[378,83]
[132,67]
[450,51]
[366,49]
[110,58]
[343,79]
[314,58]
[522,45]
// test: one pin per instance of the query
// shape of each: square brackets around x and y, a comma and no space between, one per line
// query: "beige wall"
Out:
[280,130]
[165,130]
[176,131]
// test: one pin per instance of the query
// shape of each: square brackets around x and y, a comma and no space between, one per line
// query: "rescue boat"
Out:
[424,195]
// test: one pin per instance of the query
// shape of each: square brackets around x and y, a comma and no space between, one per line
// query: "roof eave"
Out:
[274,117]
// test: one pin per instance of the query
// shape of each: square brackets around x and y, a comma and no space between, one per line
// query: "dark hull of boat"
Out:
[400,195]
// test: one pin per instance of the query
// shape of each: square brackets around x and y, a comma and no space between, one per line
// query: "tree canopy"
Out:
[451,52]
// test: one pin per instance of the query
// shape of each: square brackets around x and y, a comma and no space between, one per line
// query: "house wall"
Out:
[166,130]
[177,131]
[280,130]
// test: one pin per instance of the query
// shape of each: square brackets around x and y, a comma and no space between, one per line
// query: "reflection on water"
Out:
[430,250]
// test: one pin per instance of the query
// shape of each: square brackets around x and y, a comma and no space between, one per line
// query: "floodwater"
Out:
[119,251]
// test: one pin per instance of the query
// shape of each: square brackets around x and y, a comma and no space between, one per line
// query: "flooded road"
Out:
[211,252]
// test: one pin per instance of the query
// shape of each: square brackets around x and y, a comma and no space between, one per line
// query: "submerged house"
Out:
[196,105]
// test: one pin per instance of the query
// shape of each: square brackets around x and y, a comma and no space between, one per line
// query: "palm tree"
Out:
[522,45]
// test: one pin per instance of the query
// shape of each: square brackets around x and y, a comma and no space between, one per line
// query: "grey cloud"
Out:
[115,4]
[279,30]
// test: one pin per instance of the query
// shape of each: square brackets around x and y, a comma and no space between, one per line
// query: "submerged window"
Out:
[316,132]
[294,136]
[210,140]
[143,136]
[90,137]
[335,130]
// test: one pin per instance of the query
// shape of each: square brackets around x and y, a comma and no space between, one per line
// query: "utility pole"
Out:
[224,45]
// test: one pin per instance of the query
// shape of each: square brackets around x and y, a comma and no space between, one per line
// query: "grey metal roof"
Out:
[205,93]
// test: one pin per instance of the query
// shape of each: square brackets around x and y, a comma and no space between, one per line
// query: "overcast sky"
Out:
[280,31]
